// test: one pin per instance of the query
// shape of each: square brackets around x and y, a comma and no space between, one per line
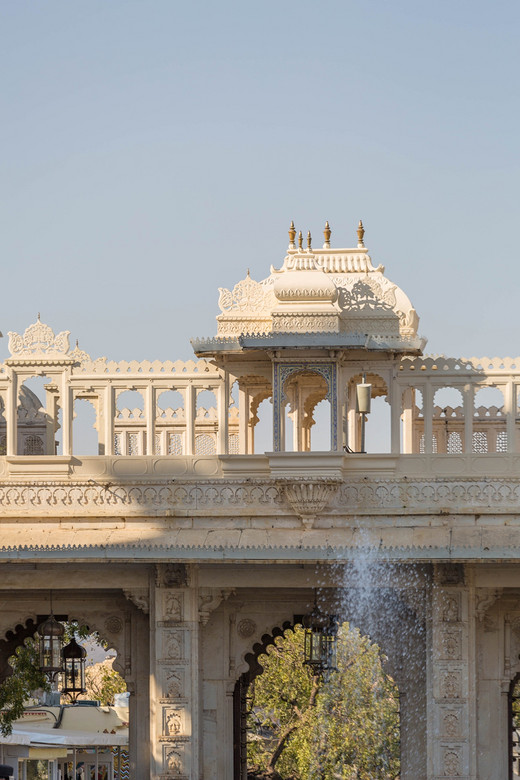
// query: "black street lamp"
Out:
[51,642]
[321,633]
[74,670]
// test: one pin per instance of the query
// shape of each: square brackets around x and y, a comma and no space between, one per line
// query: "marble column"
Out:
[451,721]
[174,673]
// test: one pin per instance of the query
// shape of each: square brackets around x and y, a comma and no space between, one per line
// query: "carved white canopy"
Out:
[336,291]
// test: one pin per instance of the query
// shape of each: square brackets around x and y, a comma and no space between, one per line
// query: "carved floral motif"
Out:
[451,724]
[114,624]
[39,340]
[246,628]
[450,685]
[451,643]
[452,764]
[247,296]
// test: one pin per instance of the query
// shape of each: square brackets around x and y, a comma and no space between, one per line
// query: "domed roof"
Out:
[323,291]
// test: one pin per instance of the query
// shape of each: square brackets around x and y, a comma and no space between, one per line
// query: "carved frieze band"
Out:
[353,496]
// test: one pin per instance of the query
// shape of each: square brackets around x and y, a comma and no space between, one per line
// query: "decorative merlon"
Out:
[39,340]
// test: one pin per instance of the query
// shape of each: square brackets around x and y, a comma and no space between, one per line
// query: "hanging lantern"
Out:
[321,633]
[51,642]
[74,670]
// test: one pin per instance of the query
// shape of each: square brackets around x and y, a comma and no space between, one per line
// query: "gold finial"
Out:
[292,236]
[38,316]
[309,239]
[360,235]
[300,240]
[327,233]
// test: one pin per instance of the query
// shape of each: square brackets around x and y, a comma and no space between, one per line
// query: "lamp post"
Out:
[74,656]
[363,396]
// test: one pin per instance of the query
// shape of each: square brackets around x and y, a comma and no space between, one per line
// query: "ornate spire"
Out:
[360,235]
[300,240]
[309,240]
[326,234]
[292,236]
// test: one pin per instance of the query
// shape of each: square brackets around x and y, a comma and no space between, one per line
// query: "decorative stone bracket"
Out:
[309,497]
[485,598]
[210,599]
[140,597]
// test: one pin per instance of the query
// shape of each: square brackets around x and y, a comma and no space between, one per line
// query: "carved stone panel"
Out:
[174,760]
[173,606]
[173,721]
[173,687]
[173,645]
[449,643]
[452,763]
[450,722]
[450,684]
[450,608]
[171,575]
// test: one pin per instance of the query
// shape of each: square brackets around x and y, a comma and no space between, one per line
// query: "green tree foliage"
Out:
[300,728]
[20,686]
[102,682]
[26,679]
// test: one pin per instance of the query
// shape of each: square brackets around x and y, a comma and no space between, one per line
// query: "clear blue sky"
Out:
[152,151]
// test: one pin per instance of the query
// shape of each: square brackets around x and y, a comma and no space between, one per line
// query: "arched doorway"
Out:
[117,620]
[290,723]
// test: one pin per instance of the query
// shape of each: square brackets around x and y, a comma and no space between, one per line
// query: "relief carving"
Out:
[173,606]
[174,686]
[452,764]
[485,598]
[140,597]
[450,686]
[246,628]
[309,497]
[173,761]
[114,624]
[173,720]
[210,599]
[451,643]
[173,645]
[171,575]
[451,724]
[450,612]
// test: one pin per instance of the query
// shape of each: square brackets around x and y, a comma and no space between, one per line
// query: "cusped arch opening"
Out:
[289,723]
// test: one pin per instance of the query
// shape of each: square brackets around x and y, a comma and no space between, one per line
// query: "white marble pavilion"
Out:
[190,548]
